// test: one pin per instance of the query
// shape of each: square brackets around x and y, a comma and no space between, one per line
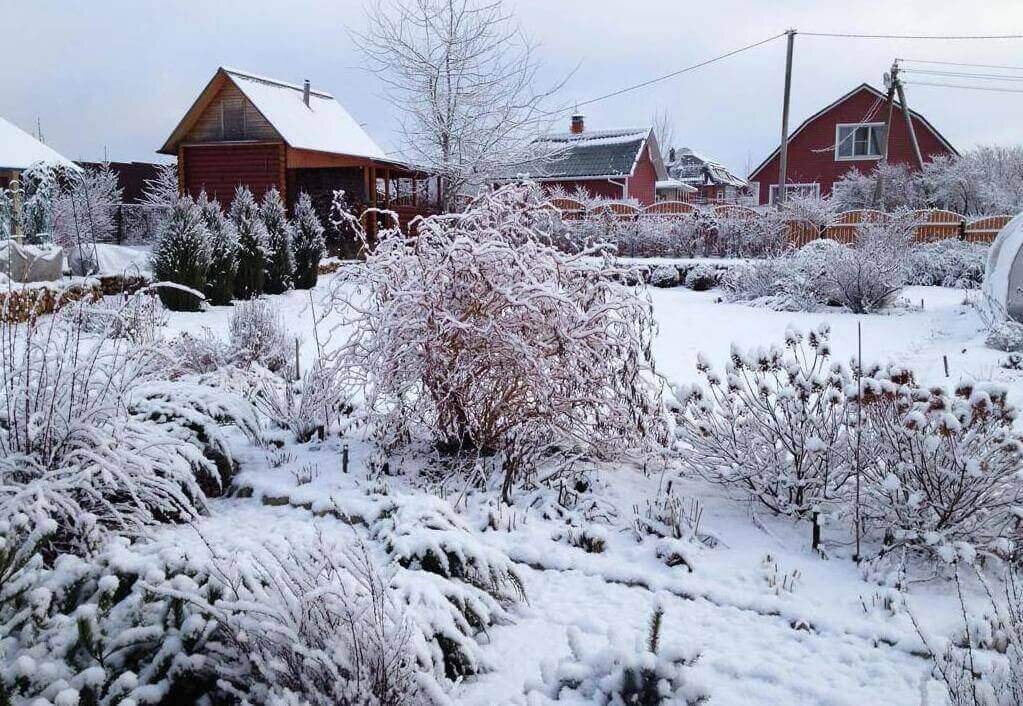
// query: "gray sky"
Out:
[120,73]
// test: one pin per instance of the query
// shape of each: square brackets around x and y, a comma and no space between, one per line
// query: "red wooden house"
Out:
[622,164]
[259,132]
[849,133]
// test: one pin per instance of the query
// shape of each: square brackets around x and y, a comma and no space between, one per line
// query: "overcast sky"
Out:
[119,74]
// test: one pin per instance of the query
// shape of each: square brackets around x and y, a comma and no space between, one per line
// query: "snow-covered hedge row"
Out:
[948,263]
[862,277]
[939,472]
[286,625]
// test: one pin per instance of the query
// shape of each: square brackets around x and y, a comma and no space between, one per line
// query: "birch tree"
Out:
[464,76]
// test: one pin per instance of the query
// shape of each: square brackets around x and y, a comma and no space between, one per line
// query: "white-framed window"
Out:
[804,190]
[858,141]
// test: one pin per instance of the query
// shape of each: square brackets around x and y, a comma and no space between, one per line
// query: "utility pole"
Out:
[890,83]
[783,154]
[909,126]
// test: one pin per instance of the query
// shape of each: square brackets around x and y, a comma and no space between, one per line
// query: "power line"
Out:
[958,74]
[913,36]
[971,88]
[681,71]
[958,63]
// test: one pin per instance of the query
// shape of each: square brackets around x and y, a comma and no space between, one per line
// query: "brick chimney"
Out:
[305,92]
[577,123]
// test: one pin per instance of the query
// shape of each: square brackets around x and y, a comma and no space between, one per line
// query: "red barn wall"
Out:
[220,169]
[806,165]
[597,188]
[643,182]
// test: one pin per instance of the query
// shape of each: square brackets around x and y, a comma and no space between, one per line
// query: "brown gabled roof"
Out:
[847,96]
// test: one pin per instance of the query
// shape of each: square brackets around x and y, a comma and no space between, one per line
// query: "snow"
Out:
[19,150]
[772,622]
[119,259]
[323,125]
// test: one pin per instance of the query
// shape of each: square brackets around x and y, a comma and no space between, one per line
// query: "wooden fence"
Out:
[932,224]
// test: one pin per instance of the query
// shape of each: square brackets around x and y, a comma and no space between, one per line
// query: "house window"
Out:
[858,141]
[801,190]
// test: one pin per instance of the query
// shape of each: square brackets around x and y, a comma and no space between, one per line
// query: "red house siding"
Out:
[811,153]
[220,169]
[642,183]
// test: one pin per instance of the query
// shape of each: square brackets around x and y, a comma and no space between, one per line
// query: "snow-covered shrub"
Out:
[258,335]
[648,674]
[984,181]
[872,271]
[700,278]
[855,190]
[280,260]
[948,263]
[85,207]
[454,585]
[161,191]
[223,251]
[308,243]
[318,626]
[942,474]
[592,540]
[762,235]
[138,319]
[71,449]
[181,256]
[198,353]
[773,428]
[253,249]
[1013,361]
[307,411]
[478,335]
[1006,336]
[664,276]
[39,188]
[95,632]
[983,664]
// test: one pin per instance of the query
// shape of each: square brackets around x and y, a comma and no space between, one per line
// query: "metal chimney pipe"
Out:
[305,92]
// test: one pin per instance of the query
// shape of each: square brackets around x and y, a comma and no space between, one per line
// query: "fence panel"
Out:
[984,230]
[571,210]
[936,224]
[801,231]
[669,208]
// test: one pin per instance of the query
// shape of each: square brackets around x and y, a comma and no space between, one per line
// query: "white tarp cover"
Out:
[109,259]
[31,263]
[1003,276]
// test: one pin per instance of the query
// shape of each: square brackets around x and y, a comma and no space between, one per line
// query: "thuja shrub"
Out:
[182,257]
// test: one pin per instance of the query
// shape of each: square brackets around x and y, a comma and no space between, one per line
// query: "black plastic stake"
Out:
[344,459]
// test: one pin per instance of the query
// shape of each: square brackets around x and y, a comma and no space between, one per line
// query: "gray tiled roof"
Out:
[693,168]
[604,153]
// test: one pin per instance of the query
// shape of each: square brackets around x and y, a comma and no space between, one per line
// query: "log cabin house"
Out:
[250,130]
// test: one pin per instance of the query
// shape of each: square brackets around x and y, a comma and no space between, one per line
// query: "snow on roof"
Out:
[594,138]
[19,150]
[673,184]
[695,168]
[323,125]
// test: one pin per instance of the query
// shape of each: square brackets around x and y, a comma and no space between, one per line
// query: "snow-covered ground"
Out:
[773,622]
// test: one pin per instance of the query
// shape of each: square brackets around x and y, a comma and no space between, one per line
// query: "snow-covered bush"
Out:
[253,249]
[318,626]
[872,271]
[648,674]
[308,243]
[182,256]
[311,625]
[760,235]
[70,447]
[984,181]
[948,263]
[223,251]
[664,276]
[454,585]
[85,207]
[1006,336]
[700,278]
[942,474]
[773,428]
[478,335]
[280,260]
[39,187]
[161,191]
[900,190]
[199,353]
[138,319]
[258,335]
[306,411]
[983,664]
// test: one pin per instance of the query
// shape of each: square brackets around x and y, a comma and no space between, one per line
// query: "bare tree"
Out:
[464,75]
[664,131]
